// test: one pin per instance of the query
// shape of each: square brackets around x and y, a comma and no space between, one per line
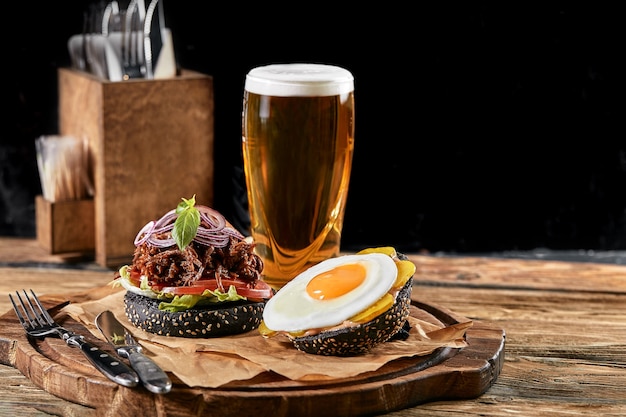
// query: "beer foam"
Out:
[299,80]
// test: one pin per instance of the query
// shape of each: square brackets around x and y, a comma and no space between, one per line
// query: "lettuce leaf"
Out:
[208,297]
[178,302]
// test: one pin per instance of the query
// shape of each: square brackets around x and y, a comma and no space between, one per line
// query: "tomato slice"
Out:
[134,277]
[261,290]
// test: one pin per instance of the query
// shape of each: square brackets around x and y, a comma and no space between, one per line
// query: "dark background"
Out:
[480,126]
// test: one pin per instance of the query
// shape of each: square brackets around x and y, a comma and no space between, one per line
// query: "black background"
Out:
[480,126]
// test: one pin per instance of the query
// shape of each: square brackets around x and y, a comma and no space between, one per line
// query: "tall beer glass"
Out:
[298,141]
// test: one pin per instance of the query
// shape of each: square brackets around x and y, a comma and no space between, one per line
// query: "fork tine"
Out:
[18,313]
[30,314]
[42,309]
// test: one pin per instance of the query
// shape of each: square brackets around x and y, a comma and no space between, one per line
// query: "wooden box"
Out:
[65,226]
[150,144]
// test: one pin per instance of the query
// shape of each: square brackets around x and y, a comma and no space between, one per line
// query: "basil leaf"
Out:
[186,224]
[186,204]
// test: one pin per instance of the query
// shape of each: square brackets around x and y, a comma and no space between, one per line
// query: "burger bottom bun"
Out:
[230,318]
[351,341]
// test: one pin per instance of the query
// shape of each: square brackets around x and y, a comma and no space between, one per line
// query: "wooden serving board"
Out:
[446,374]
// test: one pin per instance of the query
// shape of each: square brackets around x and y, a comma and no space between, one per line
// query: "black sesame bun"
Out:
[230,318]
[350,341]
[344,306]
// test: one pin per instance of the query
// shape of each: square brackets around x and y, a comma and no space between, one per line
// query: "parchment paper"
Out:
[214,362]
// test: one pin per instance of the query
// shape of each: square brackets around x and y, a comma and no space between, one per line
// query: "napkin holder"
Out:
[65,226]
[150,145]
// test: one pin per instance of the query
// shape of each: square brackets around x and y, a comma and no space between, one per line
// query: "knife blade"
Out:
[150,374]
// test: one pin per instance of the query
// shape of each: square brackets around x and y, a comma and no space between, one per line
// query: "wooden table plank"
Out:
[21,250]
[541,373]
[565,325]
[565,352]
[48,281]
[520,273]
[20,397]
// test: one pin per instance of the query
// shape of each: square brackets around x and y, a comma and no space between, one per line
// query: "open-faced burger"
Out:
[344,306]
[193,275]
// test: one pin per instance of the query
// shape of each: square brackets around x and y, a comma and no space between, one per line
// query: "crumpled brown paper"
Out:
[214,362]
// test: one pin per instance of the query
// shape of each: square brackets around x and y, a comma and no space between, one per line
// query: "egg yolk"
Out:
[336,282]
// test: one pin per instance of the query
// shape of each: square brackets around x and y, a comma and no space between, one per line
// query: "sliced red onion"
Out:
[212,241]
[212,230]
[167,221]
[144,233]
[161,243]
[211,217]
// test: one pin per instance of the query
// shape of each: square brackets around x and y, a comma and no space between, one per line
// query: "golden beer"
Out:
[298,141]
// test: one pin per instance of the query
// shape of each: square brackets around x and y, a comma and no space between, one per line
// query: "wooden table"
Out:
[565,326]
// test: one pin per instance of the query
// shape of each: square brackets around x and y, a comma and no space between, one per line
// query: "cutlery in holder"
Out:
[150,144]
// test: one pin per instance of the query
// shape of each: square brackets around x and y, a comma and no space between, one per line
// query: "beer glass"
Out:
[298,141]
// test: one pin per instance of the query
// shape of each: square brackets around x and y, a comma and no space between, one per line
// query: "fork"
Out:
[132,39]
[38,323]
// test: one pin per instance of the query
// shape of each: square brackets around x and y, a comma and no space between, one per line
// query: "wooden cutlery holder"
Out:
[150,144]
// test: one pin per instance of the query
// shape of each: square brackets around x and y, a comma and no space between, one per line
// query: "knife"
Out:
[152,377]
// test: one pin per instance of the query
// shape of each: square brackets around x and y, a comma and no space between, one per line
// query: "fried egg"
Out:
[330,292]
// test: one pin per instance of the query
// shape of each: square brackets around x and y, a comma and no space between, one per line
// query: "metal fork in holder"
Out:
[38,323]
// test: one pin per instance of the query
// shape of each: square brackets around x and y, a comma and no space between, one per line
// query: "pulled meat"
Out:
[172,267]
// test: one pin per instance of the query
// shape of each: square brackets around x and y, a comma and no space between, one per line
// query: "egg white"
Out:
[291,309]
